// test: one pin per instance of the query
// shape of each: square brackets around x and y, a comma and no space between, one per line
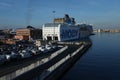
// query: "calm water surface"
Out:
[101,62]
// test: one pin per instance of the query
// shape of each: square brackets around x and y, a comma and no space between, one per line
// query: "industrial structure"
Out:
[28,34]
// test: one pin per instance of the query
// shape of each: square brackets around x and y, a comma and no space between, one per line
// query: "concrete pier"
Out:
[50,67]
[60,71]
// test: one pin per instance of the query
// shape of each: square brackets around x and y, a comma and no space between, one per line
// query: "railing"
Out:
[31,66]
[76,43]
[74,53]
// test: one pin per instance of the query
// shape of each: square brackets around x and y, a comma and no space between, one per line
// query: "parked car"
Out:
[25,54]
[2,58]
[15,55]
[42,49]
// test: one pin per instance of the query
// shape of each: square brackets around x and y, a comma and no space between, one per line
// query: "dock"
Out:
[45,67]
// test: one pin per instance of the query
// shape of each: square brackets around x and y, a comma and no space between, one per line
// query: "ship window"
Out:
[51,24]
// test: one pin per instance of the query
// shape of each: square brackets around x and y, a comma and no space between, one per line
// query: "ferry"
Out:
[65,29]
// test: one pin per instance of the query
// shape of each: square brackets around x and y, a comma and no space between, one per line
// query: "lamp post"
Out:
[54,27]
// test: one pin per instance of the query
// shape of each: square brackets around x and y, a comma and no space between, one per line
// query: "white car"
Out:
[48,47]
[25,54]
[42,49]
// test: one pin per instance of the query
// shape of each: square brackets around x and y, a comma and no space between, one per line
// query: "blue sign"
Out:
[68,33]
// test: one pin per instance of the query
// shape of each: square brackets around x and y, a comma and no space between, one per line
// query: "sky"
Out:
[20,13]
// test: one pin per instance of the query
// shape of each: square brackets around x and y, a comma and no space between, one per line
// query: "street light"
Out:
[54,26]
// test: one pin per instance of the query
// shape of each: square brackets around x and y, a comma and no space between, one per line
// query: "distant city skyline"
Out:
[20,13]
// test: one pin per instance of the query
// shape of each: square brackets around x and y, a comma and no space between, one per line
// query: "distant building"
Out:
[2,35]
[6,37]
[100,30]
[7,30]
[28,34]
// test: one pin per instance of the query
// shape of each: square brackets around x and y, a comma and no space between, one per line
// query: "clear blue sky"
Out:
[100,13]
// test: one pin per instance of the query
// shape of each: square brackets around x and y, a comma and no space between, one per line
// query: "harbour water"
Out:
[101,62]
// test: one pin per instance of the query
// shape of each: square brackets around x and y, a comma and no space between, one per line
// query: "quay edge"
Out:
[61,70]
